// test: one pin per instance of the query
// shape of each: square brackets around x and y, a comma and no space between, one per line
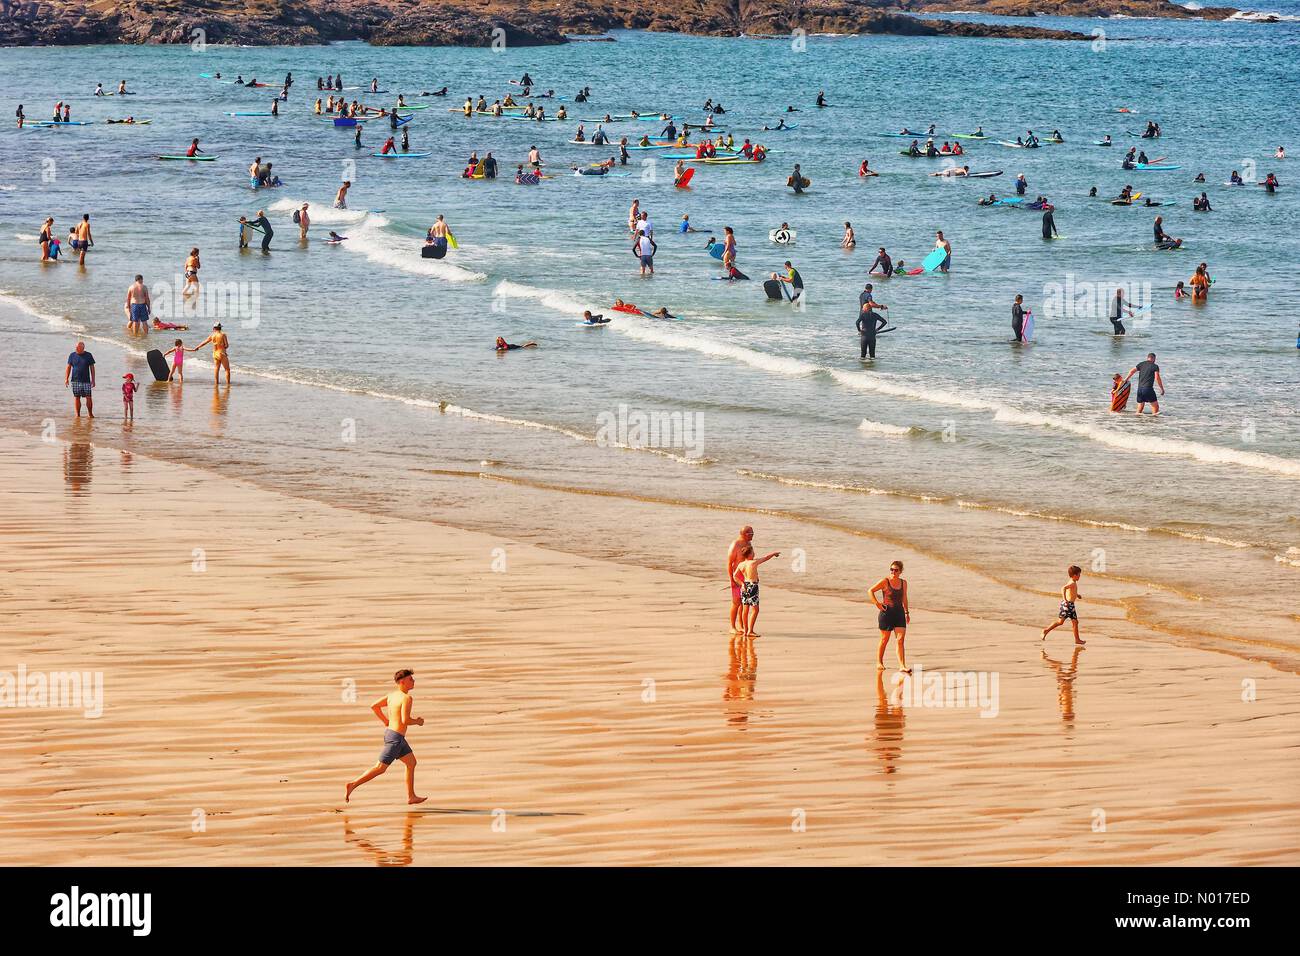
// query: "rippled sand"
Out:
[577,711]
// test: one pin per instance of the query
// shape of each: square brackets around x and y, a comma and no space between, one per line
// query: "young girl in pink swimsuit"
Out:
[178,360]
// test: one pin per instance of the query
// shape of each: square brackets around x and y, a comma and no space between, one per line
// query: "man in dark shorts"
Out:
[1148,374]
[80,375]
[396,722]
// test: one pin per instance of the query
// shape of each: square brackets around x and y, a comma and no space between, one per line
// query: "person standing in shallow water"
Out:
[220,353]
[895,614]
[742,541]
[80,376]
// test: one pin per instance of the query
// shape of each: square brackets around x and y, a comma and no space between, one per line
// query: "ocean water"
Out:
[365,375]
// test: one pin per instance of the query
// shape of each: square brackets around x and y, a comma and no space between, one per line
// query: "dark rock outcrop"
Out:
[521,23]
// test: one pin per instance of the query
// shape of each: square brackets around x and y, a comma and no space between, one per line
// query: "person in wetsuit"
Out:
[796,180]
[1162,238]
[1049,224]
[870,322]
[1117,310]
[883,261]
[1018,318]
[261,222]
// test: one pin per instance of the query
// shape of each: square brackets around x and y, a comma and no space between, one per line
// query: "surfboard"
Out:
[141,122]
[985,175]
[267,113]
[771,129]
[53,123]
[593,325]
[345,121]
[1119,397]
[686,178]
[716,249]
[402,155]
[967,136]
[192,159]
[1153,167]
[1100,143]
[782,236]
[932,261]
[1027,328]
[158,365]
[451,240]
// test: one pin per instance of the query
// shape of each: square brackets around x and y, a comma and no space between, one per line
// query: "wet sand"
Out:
[577,711]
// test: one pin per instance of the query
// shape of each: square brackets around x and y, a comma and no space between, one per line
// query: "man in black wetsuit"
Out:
[884,262]
[1162,238]
[261,222]
[870,322]
[796,179]
[1049,224]
[669,131]
[1018,318]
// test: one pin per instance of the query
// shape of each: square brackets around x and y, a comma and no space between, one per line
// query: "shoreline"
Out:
[223,696]
[550,513]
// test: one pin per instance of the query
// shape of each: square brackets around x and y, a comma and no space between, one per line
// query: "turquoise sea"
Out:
[364,375]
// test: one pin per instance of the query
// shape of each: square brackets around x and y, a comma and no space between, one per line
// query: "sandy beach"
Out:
[577,711]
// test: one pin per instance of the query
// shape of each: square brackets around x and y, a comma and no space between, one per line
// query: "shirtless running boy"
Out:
[1069,594]
[395,746]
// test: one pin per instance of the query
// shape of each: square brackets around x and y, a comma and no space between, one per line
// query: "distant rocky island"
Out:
[528,22]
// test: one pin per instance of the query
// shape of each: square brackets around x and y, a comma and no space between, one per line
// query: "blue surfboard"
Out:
[932,261]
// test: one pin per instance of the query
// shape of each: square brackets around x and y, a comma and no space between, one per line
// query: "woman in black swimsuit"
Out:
[894,614]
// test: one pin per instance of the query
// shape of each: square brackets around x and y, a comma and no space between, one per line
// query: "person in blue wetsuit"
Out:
[1021,184]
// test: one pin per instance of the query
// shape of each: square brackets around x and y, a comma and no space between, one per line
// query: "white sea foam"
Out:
[1154,444]
[53,321]
[663,334]
[372,240]
[881,428]
[323,213]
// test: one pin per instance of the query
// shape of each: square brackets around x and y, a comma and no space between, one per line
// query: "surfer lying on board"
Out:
[953,171]
[504,346]
[161,326]
[589,319]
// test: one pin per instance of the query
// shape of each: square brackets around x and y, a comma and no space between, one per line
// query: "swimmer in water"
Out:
[504,346]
